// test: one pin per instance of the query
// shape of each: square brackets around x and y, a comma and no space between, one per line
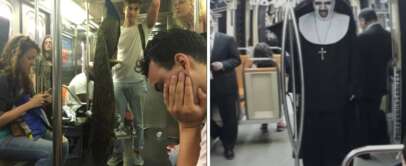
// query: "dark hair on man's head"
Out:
[129,2]
[163,47]
[368,15]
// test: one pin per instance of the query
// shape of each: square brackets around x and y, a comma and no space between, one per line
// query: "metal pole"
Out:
[283,77]
[87,54]
[56,84]
[38,88]
[36,34]
[295,135]
[293,73]
[368,149]
[196,16]
[302,85]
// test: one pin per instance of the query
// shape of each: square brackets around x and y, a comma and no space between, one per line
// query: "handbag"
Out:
[19,128]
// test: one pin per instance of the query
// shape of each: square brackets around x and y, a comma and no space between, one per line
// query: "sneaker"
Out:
[280,126]
[137,160]
[115,160]
[120,133]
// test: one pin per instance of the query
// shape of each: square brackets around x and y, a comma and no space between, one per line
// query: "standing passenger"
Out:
[129,85]
[224,91]
[375,50]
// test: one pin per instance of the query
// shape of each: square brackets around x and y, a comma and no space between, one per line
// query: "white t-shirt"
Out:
[203,147]
[78,86]
[129,51]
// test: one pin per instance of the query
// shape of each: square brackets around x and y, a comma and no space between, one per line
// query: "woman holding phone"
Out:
[23,130]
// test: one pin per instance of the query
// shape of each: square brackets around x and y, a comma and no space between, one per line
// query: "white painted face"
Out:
[324,8]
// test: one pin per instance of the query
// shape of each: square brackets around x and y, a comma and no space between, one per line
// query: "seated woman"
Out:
[23,134]
[263,50]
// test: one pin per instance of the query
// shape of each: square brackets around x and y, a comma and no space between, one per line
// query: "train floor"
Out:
[255,148]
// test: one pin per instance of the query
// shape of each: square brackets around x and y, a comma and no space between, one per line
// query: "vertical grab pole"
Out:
[293,73]
[302,85]
[296,135]
[36,39]
[87,53]
[196,16]
[36,34]
[283,78]
[56,84]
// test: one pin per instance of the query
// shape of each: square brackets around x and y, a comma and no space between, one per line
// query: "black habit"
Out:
[329,122]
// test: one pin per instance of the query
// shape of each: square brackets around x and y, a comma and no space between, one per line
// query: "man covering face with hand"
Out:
[175,64]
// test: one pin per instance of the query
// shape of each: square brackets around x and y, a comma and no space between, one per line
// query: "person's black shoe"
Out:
[365,156]
[264,128]
[229,154]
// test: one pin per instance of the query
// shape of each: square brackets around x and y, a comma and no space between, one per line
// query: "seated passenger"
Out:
[23,133]
[262,50]
[78,94]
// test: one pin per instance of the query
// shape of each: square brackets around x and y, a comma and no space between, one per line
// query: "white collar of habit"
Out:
[324,32]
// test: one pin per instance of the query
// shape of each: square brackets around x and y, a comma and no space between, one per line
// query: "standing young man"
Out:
[130,86]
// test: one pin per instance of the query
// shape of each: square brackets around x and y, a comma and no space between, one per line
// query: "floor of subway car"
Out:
[258,149]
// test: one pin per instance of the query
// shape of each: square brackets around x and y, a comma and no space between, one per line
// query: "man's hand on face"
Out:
[179,100]
[216,66]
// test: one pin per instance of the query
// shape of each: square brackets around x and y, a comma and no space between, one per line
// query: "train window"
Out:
[29,22]
[6,14]
[5,10]
[68,61]
[73,12]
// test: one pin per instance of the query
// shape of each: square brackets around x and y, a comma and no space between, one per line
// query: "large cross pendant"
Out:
[322,52]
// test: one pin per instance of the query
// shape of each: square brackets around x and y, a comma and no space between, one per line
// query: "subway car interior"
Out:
[70,28]
[269,114]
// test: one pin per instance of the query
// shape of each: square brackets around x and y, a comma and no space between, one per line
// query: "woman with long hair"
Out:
[23,126]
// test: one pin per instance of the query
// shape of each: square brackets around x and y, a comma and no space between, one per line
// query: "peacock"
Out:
[101,137]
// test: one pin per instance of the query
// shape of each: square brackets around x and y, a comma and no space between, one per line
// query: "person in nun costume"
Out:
[327,34]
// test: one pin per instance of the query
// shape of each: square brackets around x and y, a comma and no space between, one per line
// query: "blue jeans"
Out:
[37,149]
[131,94]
